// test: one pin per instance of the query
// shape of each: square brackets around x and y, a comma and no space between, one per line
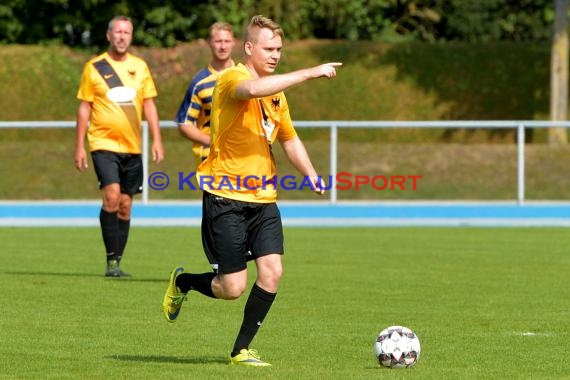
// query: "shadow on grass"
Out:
[69,274]
[18,273]
[169,359]
[131,279]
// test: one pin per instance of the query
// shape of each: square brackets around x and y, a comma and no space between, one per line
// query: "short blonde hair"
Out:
[220,25]
[261,22]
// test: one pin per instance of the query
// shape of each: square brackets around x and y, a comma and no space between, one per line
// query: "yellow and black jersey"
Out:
[196,106]
[200,109]
[116,91]
[240,162]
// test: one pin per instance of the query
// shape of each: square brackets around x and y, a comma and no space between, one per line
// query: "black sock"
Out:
[200,282]
[124,227]
[110,230]
[256,308]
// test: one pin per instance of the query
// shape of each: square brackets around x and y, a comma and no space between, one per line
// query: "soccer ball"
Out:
[397,347]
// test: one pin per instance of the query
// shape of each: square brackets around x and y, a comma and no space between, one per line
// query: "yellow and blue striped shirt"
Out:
[197,105]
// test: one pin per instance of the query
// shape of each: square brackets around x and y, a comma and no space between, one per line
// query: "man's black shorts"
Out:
[123,168]
[234,232]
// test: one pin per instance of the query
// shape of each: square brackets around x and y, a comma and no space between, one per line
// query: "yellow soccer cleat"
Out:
[249,358]
[173,298]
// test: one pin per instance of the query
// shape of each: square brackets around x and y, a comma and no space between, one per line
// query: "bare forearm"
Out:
[151,116]
[273,84]
[82,123]
[191,132]
[80,132]
[298,156]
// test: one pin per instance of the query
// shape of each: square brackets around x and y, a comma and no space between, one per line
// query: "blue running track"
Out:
[413,213]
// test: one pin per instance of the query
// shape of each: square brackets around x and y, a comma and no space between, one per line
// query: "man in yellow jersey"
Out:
[240,219]
[116,88]
[193,116]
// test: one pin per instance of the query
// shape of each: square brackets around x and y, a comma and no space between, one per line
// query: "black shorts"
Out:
[123,168]
[234,232]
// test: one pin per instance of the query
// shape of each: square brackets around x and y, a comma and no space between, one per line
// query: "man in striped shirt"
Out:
[193,116]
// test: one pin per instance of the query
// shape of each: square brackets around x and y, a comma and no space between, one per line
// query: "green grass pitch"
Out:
[487,303]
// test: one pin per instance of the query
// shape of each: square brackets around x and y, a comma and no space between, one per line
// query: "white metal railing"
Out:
[334,125]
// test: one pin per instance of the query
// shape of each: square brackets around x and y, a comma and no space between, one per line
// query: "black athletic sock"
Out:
[256,308]
[110,230]
[124,227]
[200,282]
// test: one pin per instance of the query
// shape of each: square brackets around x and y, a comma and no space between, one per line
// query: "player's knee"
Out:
[232,294]
[233,291]
[277,273]
[111,201]
[111,206]
[269,279]
[125,211]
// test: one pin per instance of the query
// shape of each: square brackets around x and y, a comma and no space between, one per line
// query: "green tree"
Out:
[10,26]
[164,22]
[496,20]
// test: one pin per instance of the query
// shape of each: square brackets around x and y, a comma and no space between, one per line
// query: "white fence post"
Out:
[521,162]
[333,163]
[145,162]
